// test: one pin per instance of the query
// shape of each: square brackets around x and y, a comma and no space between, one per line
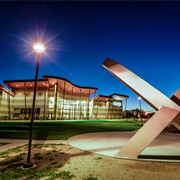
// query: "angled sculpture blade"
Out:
[168,110]
[149,132]
[176,97]
[147,92]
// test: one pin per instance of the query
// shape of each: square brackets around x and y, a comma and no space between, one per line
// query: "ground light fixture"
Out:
[39,48]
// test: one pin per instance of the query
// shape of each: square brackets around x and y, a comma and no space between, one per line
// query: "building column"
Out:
[79,103]
[62,111]
[97,108]
[112,109]
[87,114]
[71,110]
[9,103]
[93,105]
[55,100]
[105,110]
[108,109]
[73,104]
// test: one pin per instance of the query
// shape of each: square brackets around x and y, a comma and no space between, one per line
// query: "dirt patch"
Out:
[65,162]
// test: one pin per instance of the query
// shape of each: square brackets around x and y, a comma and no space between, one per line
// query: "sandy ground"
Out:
[85,164]
[103,167]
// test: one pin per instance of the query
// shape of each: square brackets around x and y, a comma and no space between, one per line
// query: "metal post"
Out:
[29,163]
[140,110]
[25,109]
[79,104]
[126,104]
[44,102]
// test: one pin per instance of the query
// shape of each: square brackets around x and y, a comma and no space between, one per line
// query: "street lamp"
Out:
[139,98]
[39,48]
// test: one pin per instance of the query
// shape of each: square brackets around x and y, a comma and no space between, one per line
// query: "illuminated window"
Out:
[51,102]
[115,103]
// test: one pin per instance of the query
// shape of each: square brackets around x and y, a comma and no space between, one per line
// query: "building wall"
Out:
[22,104]
[115,110]
[106,110]
[91,105]
[6,104]
[52,104]
[99,110]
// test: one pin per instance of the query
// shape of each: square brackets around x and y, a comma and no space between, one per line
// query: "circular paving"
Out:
[166,147]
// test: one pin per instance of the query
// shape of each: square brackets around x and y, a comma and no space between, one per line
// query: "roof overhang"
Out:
[118,97]
[2,88]
[50,81]
[28,83]
[68,86]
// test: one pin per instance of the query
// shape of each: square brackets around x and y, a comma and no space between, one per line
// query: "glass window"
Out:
[37,110]
[21,111]
[29,111]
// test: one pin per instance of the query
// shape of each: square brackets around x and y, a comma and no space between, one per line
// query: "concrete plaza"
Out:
[164,148]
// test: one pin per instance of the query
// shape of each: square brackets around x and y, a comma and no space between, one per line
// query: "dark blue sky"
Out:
[142,36]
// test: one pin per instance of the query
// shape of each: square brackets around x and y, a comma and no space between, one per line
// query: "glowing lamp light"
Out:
[139,98]
[39,47]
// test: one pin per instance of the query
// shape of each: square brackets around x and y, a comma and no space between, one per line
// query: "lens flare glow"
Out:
[39,47]
[32,37]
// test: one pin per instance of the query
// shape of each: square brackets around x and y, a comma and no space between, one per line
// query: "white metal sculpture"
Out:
[168,110]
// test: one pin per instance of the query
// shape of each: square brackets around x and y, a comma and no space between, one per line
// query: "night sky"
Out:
[142,36]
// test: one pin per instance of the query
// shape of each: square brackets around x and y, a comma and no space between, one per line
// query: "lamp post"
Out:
[39,48]
[139,98]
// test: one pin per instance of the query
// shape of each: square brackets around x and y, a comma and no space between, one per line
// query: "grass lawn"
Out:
[45,130]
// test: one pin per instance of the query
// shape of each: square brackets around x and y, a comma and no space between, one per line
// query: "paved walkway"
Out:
[19,142]
[109,144]
[166,147]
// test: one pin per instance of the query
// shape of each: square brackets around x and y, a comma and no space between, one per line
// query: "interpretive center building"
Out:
[57,98]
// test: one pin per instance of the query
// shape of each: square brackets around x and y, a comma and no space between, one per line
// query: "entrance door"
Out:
[50,116]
